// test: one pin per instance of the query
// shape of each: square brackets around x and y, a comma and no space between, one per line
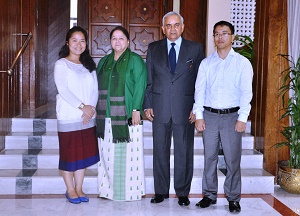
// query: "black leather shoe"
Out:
[234,206]
[158,198]
[184,200]
[205,202]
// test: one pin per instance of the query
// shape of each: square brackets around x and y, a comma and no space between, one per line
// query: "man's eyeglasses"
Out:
[221,35]
[176,26]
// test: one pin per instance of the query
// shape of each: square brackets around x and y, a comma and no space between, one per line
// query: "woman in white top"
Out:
[77,86]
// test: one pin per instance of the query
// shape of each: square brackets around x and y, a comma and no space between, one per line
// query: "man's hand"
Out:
[149,114]
[200,125]
[192,117]
[240,126]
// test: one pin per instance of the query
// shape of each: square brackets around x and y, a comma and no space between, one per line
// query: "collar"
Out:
[231,53]
[178,42]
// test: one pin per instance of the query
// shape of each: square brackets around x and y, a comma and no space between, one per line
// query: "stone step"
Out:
[35,125]
[148,127]
[48,159]
[49,181]
[49,140]
[247,141]
[32,140]
[29,163]
[250,159]
[30,133]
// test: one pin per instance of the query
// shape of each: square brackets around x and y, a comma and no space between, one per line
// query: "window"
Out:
[73,13]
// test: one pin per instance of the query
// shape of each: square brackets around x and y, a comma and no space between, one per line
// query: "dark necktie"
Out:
[172,58]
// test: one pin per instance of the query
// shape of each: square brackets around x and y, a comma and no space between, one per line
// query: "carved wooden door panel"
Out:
[142,19]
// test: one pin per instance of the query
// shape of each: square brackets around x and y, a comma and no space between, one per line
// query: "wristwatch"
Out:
[135,110]
[81,106]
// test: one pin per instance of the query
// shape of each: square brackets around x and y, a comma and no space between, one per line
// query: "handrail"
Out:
[9,71]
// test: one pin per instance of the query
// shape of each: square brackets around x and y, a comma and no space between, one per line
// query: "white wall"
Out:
[217,10]
[176,6]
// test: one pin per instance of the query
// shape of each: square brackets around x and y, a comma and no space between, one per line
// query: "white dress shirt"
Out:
[224,83]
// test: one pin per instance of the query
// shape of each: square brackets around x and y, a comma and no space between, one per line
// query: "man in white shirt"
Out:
[223,93]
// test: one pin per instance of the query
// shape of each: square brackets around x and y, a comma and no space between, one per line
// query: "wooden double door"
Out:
[142,19]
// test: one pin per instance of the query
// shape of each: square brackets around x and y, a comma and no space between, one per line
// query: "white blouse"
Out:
[75,85]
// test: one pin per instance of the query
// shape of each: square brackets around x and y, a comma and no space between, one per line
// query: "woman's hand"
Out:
[88,113]
[136,117]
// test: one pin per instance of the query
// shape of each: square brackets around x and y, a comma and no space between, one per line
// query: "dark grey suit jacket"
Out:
[172,96]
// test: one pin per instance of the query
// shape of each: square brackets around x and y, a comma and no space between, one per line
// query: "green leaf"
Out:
[291,109]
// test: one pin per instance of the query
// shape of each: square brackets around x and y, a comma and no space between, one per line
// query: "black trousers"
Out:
[183,139]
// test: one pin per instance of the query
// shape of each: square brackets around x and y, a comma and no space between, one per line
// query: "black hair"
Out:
[85,57]
[122,29]
[224,23]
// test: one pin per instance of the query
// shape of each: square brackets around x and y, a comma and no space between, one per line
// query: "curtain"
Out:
[294,28]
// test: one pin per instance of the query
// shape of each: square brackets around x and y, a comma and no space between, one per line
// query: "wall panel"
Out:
[41,53]
[10,41]
[58,25]
[270,39]
[194,14]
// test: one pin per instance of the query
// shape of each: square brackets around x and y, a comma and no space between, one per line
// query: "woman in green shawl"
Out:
[122,79]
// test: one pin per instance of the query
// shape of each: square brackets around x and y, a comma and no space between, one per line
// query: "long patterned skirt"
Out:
[121,166]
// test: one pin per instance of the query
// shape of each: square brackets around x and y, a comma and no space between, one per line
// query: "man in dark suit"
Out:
[172,65]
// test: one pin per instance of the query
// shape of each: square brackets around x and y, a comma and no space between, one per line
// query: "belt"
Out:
[222,111]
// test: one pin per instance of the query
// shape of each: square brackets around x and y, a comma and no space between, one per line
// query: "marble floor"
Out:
[279,203]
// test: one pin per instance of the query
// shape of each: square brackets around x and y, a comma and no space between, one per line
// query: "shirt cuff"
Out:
[242,117]
[199,115]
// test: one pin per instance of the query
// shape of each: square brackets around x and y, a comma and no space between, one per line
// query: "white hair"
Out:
[169,14]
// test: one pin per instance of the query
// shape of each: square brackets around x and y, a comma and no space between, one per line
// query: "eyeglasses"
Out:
[221,35]
[176,26]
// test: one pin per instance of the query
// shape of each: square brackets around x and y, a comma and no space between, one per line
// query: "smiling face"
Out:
[77,43]
[173,27]
[223,37]
[119,42]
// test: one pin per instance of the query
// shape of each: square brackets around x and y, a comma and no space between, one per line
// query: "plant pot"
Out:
[288,178]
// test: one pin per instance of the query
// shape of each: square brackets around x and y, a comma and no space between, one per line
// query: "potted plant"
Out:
[289,171]
[247,49]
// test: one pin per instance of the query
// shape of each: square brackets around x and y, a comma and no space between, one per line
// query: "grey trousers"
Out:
[222,127]
[183,136]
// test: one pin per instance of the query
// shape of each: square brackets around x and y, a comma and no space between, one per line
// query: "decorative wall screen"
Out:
[242,16]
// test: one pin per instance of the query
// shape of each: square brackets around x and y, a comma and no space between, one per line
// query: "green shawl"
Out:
[111,102]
